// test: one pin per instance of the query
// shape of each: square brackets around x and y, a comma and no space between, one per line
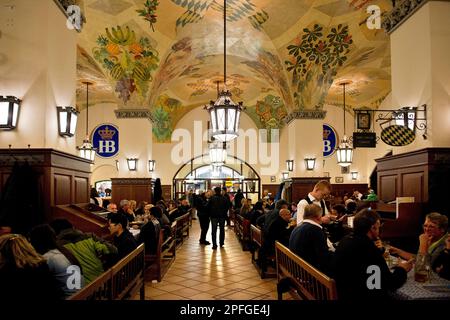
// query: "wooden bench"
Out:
[182,228]
[300,278]
[255,247]
[121,281]
[157,264]
[242,230]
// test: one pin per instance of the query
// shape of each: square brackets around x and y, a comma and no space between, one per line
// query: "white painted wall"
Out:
[37,65]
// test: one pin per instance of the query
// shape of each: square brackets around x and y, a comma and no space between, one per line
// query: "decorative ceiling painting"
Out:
[282,56]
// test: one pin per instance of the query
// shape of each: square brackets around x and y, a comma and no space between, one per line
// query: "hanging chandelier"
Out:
[224,113]
[87,150]
[217,153]
[344,151]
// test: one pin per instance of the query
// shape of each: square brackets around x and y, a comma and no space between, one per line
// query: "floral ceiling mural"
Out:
[166,56]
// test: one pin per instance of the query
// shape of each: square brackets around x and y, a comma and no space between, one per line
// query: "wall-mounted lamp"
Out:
[310,163]
[151,165]
[132,164]
[290,165]
[117,165]
[285,175]
[9,112]
[354,175]
[67,121]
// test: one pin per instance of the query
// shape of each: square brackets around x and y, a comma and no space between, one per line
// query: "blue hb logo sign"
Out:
[329,140]
[106,140]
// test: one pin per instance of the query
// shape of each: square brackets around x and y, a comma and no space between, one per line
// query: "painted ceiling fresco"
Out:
[282,56]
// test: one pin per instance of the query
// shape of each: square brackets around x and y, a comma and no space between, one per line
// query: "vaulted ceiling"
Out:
[282,55]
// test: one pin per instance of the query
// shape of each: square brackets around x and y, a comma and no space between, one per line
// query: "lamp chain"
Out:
[87,108]
[344,109]
[225,43]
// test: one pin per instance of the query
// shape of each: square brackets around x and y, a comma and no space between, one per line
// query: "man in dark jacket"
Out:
[218,207]
[238,199]
[309,242]
[361,271]
[200,203]
[266,220]
[123,239]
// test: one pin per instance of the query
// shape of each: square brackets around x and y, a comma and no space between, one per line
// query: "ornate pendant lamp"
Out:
[345,151]
[217,153]
[224,113]
[87,151]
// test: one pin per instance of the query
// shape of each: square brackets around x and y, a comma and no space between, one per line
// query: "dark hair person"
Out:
[59,259]
[24,274]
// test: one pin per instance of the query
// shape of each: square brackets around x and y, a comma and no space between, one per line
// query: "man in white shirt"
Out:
[320,191]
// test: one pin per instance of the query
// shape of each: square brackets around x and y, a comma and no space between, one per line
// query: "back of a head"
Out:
[364,220]
[156,212]
[312,211]
[43,238]
[17,252]
[59,225]
[258,205]
[281,203]
[340,209]
[351,206]
[217,190]
[119,219]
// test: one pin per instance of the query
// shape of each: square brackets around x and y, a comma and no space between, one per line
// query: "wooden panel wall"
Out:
[302,186]
[139,189]
[423,174]
[63,177]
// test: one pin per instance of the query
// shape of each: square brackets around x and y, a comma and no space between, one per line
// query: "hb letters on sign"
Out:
[106,140]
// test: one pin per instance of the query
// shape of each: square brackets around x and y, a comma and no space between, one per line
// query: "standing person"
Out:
[201,203]
[238,199]
[218,208]
[230,205]
[320,191]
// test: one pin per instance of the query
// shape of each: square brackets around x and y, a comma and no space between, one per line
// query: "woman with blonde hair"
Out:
[24,273]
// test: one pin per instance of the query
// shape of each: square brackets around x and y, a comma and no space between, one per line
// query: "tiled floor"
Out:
[200,273]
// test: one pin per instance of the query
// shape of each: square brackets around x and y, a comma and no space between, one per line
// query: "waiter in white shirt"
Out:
[320,191]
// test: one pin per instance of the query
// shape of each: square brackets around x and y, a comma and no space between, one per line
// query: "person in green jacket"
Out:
[93,253]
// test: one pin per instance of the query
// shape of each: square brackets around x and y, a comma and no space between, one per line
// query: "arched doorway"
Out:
[198,175]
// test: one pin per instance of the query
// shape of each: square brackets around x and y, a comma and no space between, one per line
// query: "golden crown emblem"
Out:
[326,133]
[106,133]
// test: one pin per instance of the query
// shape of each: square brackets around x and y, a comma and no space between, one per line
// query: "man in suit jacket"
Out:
[218,208]
[309,241]
[361,270]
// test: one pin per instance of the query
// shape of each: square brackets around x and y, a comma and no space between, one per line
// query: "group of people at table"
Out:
[358,255]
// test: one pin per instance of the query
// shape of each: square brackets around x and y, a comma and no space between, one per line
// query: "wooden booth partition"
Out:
[271,188]
[423,174]
[300,187]
[139,189]
[63,178]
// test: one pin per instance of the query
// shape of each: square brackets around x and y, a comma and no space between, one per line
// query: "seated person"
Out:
[123,239]
[150,232]
[309,241]
[59,259]
[442,263]
[112,208]
[278,230]
[125,210]
[266,220]
[255,213]
[93,253]
[24,273]
[356,254]
[184,206]
[173,211]
[432,241]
